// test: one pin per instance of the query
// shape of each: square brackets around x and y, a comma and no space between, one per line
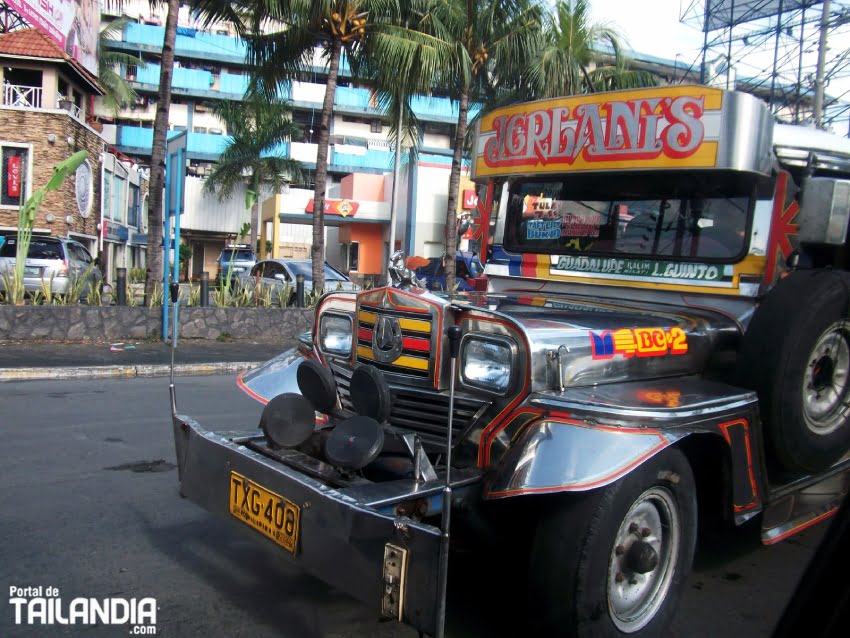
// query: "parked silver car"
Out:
[56,262]
[236,260]
[280,274]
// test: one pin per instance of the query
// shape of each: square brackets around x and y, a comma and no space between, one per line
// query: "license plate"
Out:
[270,514]
[32,271]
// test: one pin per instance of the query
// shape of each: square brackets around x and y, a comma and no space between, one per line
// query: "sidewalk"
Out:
[26,360]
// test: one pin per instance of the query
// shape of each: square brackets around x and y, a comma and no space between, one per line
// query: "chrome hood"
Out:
[579,341]
[561,341]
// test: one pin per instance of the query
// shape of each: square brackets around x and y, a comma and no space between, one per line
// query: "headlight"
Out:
[335,334]
[487,364]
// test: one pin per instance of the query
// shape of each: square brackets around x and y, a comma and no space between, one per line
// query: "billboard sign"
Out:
[673,127]
[72,24]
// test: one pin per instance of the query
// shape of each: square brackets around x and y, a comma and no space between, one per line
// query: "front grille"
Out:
[424,411]
[413,358]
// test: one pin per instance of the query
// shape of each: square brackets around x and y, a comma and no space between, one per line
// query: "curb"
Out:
[125,372]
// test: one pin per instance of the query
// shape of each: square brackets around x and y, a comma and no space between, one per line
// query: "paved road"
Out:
[76,516]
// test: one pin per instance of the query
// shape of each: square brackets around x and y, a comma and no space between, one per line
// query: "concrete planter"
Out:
[111,323]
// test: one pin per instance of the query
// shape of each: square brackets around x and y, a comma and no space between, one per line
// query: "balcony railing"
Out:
[66,105]
[21,95]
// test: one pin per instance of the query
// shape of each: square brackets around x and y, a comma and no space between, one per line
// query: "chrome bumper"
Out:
[341,540]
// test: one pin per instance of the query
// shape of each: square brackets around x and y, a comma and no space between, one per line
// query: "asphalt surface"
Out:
[32,360]
[90,506]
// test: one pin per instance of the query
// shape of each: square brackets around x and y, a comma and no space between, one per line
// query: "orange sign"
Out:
[672,127]
[640,342]
[342,207]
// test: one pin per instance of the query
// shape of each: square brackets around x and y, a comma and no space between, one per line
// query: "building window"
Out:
[118,198]
[15,187]
[199,129]
[377,126]
[351,256]
[134,206]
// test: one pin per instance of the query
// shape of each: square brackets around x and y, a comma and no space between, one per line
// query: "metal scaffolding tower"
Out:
[10,20]
[770,48]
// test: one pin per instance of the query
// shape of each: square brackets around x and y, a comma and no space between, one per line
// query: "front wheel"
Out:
[612,562]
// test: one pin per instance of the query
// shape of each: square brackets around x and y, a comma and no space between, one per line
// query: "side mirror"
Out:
[97,262]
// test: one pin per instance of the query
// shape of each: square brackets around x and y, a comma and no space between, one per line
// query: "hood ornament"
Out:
[400,275]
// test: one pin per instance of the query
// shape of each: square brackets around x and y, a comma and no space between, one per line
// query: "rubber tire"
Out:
[773,361]
[570,554]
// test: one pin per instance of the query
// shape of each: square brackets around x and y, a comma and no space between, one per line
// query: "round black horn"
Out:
[288,420]
[370,393]
[317,384]
[355,443]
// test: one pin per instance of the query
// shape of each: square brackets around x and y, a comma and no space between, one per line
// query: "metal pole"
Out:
[174,297]
[396,173]
[702,73]
[299,291]
[205,289]
[443,574]
[178,209]
[121,286]
[775,56]
[729,49]
[817,110]
[800,67]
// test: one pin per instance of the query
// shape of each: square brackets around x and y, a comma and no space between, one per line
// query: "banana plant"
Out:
[26,221]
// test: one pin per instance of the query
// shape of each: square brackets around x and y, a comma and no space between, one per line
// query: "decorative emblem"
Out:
[386,339]
[83,188]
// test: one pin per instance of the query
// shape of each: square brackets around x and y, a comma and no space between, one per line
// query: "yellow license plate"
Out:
[270,514]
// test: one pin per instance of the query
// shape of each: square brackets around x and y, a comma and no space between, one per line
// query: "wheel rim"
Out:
[643,560]
[827,380]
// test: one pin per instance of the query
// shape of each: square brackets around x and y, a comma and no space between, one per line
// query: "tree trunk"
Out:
[318,248]
[254,215]
[454,187]
[258,238]
[160,131]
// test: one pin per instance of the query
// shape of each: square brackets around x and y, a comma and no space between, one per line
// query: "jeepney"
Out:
[665,337]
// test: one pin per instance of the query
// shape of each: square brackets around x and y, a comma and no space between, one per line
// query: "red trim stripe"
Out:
[800,528]
[365,334]
[528,267]
[248,390]
[411,343]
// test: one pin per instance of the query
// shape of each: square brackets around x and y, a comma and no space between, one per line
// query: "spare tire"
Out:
[796,356]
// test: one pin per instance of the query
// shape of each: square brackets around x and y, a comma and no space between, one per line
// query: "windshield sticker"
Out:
[586,225]
[540,207]
[641,342]
[545,220]
[639,268]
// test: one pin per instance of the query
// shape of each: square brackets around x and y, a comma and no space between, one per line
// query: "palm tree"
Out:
[282,36]
[572,45]
[160,131]
[493,42]
[118,93]
[257,128]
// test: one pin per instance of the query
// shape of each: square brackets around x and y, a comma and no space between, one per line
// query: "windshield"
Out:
[236,255]
[306,268]
[39,249]
[694,221]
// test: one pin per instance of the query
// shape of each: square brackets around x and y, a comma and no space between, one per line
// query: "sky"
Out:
[650,26]
[654,27]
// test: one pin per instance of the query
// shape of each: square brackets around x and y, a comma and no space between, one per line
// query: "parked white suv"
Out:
[54,261]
